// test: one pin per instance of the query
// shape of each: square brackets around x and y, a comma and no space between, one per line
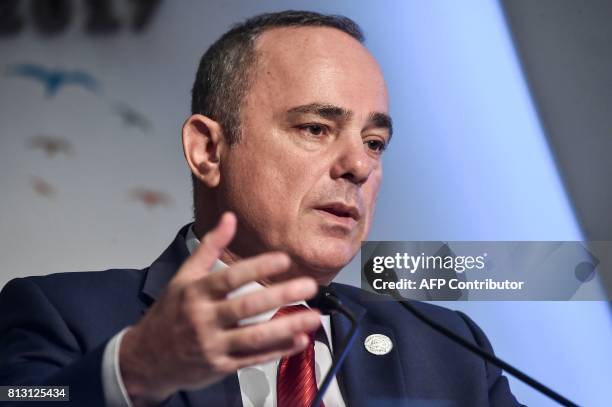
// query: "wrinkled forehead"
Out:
[317,64]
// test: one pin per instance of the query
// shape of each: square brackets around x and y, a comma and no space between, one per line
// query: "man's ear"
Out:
[203,141]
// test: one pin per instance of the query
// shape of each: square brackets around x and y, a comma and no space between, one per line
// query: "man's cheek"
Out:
[375,181]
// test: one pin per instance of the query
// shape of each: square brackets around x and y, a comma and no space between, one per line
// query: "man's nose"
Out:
[352,161]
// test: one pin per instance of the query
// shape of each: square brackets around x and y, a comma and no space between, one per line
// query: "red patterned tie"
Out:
[296,385]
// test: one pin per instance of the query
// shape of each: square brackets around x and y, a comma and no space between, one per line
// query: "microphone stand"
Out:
[480,352]
[328,300]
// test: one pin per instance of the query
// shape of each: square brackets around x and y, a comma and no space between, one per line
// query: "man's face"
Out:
[305,176]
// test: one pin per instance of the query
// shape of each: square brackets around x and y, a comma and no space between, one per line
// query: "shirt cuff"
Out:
[115,394]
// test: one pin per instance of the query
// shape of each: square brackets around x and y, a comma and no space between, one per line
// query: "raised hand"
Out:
[190,338]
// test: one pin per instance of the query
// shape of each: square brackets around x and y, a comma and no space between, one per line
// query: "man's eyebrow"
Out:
[381,120]
[326,111]
[332,112]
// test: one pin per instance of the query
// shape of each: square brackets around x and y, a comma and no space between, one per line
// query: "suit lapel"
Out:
[224,393]
[366,379]
[163,269]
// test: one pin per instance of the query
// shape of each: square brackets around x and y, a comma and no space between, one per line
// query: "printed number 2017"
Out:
[54,16]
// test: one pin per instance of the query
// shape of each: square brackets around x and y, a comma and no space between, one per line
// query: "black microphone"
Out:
[489,357]
[327,301]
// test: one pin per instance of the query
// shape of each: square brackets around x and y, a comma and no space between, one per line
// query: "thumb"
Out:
[208,252]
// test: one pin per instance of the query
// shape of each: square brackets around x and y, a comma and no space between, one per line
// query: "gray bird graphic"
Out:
[54,79]
[151,198]
[133,118]
[50,145]
[42,187]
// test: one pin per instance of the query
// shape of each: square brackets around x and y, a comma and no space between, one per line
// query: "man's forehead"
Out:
[319,64]
[304,45]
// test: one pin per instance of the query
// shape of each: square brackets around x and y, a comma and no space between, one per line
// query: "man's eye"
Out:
[314,129]
[376,145]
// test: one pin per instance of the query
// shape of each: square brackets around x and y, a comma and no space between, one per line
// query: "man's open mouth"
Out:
[340,210]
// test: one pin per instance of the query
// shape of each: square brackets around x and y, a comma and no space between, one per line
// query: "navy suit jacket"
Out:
[53,331]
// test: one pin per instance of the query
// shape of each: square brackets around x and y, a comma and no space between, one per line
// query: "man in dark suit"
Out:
[290,120]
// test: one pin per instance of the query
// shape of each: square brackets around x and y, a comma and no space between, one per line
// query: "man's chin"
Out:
[325,260]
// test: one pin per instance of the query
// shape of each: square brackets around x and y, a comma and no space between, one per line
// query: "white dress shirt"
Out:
[257,383]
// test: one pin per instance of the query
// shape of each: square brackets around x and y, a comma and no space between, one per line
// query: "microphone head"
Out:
[325,300]
[387,275]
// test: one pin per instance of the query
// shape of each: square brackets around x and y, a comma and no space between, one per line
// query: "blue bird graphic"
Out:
[54,79]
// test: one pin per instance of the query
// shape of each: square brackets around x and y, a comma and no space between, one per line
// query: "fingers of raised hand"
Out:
[221,283]
[283,335]
[233,310]
[209,250]
[217,239]
[226,351]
